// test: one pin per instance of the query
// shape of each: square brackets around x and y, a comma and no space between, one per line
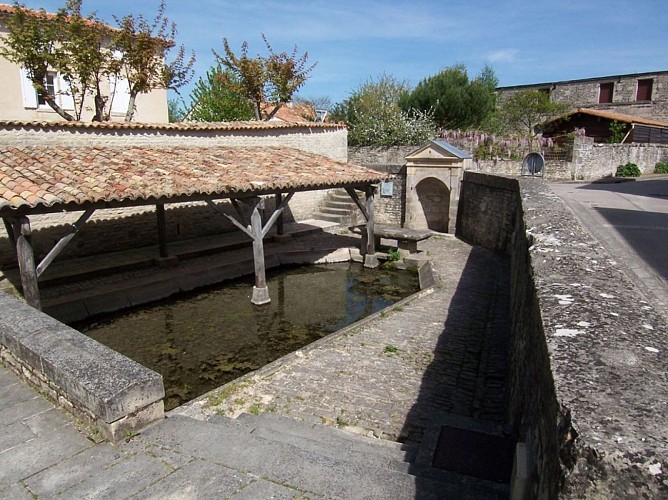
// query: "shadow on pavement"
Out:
[657,188]
[645,232]
[460,414]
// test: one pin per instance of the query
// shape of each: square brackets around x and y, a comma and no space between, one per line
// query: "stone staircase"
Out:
[318,460]
[339,207]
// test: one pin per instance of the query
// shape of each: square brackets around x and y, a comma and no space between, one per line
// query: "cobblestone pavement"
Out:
[441,353]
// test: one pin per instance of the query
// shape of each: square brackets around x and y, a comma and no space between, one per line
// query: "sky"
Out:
[353,41]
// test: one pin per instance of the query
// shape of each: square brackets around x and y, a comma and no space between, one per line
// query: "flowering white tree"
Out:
[374,117]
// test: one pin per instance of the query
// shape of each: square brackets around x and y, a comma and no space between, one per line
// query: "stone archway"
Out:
[433,208]
[433,175]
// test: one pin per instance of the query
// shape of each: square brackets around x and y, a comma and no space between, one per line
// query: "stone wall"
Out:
[593,161]
[390,210]
[322,139]
[587,391]
[105,389]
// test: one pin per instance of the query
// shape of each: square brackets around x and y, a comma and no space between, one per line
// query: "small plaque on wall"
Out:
[386,188]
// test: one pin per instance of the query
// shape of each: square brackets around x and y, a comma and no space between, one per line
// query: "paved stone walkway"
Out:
[397,376]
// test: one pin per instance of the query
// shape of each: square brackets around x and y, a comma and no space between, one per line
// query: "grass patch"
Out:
[390,349]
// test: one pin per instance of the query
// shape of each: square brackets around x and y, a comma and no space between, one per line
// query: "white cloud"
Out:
[503,56]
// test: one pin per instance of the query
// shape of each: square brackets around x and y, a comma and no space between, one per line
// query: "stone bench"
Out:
[407,239]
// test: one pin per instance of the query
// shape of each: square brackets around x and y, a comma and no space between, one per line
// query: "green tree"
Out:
[522,111]
[83,57]
[374,118]
[271,80]
[143,46]
[456,102]
[32,43]
[175,111]
[215,100]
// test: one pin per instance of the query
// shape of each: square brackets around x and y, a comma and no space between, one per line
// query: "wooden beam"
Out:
[238,224]
[62,243]
[370,259]
[162,229]
[277,213]
[278,198]
[358,202]
[10,230]
[26,260]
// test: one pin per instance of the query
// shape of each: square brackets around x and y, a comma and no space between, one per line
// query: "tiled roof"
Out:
[181,126]
[610,115]
[43,178]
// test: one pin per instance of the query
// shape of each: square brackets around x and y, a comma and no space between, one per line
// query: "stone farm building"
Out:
[639,94]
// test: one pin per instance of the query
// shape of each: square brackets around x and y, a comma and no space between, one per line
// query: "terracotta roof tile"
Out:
[181,126]
[48,177]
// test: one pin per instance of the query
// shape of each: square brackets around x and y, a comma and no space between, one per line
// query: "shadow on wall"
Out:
[123,229]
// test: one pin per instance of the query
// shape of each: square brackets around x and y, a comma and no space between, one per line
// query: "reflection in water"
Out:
[203,340]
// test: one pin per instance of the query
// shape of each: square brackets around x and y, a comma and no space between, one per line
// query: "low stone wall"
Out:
[588,391]
[110,392]
[322,139]
[602,160]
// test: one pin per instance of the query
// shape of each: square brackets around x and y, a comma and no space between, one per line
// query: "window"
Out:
[51,78]
[56,86]
[605,91]
[644,90]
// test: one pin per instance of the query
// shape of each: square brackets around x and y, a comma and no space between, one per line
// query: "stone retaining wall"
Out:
[588,386]
[108,391]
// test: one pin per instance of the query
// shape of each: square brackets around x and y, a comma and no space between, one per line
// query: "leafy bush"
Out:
[628,170]
[661,167]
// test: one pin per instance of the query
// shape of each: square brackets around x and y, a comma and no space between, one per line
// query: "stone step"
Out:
[232,445]
[343,445]
[327,440]
[347,204]
[332,218]
[326,209]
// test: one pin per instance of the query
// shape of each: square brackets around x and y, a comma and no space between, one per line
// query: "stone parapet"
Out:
[110,392]
[587,385]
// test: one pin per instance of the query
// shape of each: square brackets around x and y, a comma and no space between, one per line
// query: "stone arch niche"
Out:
[433,208]
[433,176]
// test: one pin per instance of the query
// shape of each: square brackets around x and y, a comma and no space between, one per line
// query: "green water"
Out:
[200,341]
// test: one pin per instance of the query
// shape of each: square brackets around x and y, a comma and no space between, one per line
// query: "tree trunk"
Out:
[48,98]
[131,107]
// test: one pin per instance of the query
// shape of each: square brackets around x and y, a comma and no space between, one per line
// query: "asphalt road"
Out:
[630,219]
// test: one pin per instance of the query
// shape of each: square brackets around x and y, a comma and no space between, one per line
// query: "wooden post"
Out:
[370,259]
[162,231]
[26,259]
[279,221]
[260,290]
[10,231]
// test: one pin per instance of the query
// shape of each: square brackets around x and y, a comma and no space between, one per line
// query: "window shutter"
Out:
[66,98]
[29,92]
[121,88]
